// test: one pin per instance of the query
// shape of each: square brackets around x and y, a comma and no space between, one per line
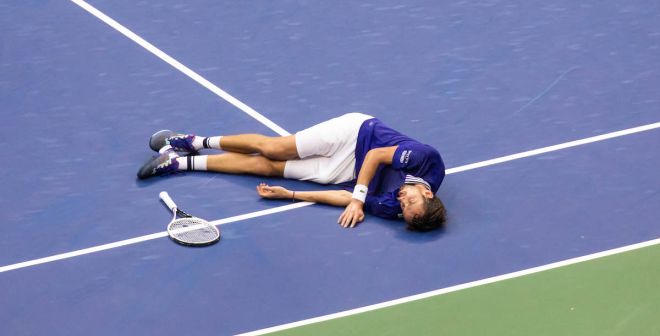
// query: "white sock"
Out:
[197,162]
[200,142]
[214,142]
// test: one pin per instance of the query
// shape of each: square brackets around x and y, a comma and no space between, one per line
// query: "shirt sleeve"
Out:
[413,156]
[384,205]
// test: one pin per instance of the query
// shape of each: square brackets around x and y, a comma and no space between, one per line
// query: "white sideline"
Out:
[303,204]
[454,288]
[554,148]
[177,65]
[145,238]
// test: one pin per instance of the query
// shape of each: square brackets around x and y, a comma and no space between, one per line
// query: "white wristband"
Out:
[360,192]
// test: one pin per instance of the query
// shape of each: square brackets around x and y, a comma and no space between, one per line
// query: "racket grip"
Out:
[165,197]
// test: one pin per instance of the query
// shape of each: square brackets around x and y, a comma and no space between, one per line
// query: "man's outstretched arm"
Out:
[354,212]
[331,197]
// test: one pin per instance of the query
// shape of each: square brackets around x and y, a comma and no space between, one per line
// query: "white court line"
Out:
[177,65]
[145,238]
[454,288]
[303,204]
[554,148]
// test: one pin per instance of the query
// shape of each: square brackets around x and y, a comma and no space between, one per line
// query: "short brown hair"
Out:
[434,216]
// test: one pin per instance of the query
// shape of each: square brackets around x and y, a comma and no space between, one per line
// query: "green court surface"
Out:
[614,295]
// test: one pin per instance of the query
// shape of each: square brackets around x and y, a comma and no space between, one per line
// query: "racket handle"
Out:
[165,197]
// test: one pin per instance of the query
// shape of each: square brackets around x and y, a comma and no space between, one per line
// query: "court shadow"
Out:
[165,178]
[422,237]
[398,226]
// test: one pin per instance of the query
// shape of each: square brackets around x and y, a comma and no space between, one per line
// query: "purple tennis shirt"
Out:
[413,162]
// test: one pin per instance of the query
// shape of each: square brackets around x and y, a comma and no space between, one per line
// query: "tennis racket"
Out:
[189,230]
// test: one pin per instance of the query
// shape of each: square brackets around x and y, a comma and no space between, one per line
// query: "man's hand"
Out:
[273,192]
[374,158]
[352,215]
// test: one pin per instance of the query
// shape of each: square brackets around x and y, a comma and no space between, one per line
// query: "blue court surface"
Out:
[476,80]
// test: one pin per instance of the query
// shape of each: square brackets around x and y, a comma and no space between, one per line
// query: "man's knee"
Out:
[278,148]
[271,149]
[266,167]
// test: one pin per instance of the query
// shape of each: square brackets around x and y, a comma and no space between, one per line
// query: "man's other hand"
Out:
[273,192]
[352,215]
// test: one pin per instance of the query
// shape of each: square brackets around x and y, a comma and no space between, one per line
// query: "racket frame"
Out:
[176,212]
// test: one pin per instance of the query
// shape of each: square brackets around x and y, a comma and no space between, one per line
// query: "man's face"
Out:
[411,197]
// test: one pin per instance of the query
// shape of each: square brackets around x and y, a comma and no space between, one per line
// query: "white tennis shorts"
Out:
[327,150]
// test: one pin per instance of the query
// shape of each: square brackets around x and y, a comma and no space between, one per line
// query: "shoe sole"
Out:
[146,171]
[158,139]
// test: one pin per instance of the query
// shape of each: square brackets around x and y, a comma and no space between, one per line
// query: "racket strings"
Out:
[193,231]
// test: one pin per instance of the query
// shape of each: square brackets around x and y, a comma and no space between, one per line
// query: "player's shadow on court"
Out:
[169,178]
[414,237]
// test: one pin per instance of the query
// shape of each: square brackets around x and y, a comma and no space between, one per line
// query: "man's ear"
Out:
[428,193]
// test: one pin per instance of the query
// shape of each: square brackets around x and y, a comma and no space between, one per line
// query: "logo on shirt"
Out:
[405,156]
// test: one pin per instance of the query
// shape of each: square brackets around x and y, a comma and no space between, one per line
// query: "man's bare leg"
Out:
[275,148]
[237,163]
[279,148]
[245,154]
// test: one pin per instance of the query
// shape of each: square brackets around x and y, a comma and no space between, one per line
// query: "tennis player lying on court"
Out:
[396,175]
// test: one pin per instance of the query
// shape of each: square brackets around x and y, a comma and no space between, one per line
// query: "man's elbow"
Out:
[384,154]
